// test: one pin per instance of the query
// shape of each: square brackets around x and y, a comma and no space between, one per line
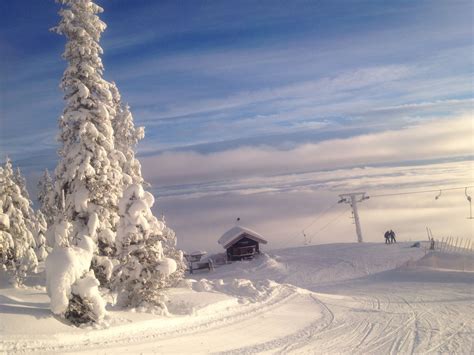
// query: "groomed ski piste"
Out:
[338,298]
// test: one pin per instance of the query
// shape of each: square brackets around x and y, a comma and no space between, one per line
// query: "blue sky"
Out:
[218,84]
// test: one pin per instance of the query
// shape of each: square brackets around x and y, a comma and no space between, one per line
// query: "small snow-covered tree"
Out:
[17,224]
[20,180]
[88,174]
[150,260]
[126,137]
[6,241]
[27,209]
[47,198]
[39,234]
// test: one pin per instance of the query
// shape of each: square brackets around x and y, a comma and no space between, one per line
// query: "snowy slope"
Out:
[349,298]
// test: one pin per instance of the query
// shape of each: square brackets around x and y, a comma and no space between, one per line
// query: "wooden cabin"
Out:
[241,243]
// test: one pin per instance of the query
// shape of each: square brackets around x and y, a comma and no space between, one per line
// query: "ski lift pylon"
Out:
[469,199]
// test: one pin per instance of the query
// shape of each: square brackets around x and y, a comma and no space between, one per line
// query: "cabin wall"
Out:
[241,243]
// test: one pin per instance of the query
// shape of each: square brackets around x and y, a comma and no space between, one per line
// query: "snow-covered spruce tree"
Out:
[20,180]
[47,199]
[27,209]
[7,246]
[21,259]
[39,234]
[150,260]
[88,175]
[126,137]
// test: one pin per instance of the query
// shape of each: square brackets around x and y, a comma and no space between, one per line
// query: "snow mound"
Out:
[167,266]
[244,290]
[4,221]
[313,266]
[271,263]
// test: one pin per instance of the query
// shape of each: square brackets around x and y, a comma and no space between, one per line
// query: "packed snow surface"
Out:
[339,298]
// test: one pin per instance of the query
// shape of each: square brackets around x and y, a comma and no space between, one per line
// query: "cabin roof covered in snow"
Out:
[236,232]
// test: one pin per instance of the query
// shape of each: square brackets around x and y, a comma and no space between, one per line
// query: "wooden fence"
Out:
[449,244]
[455,245]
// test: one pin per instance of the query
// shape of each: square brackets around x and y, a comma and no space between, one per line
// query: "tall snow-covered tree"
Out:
[98,175]
[20,259]
[47,199]
[88,175]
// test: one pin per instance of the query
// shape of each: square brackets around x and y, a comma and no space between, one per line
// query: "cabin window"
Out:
[243,251]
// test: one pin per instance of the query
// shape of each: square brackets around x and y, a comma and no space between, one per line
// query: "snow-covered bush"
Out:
[71,285]
[149,260]
[17,225]
[86,305]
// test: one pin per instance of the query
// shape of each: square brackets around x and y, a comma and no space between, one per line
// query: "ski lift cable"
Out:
[422,192]
[319,216]
[328,224]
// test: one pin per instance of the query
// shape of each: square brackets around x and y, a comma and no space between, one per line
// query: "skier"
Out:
[392,237]
[387,237]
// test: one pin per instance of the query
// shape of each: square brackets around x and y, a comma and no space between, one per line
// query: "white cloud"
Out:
[429,140]
[202,194]
[285,205]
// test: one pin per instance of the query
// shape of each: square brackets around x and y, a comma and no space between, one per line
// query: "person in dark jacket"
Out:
[387,237]
[392,237]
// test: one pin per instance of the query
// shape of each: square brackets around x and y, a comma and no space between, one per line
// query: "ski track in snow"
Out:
[404,310]
[285,293]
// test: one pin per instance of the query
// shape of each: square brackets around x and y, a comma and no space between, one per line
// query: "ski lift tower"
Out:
[353,199]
